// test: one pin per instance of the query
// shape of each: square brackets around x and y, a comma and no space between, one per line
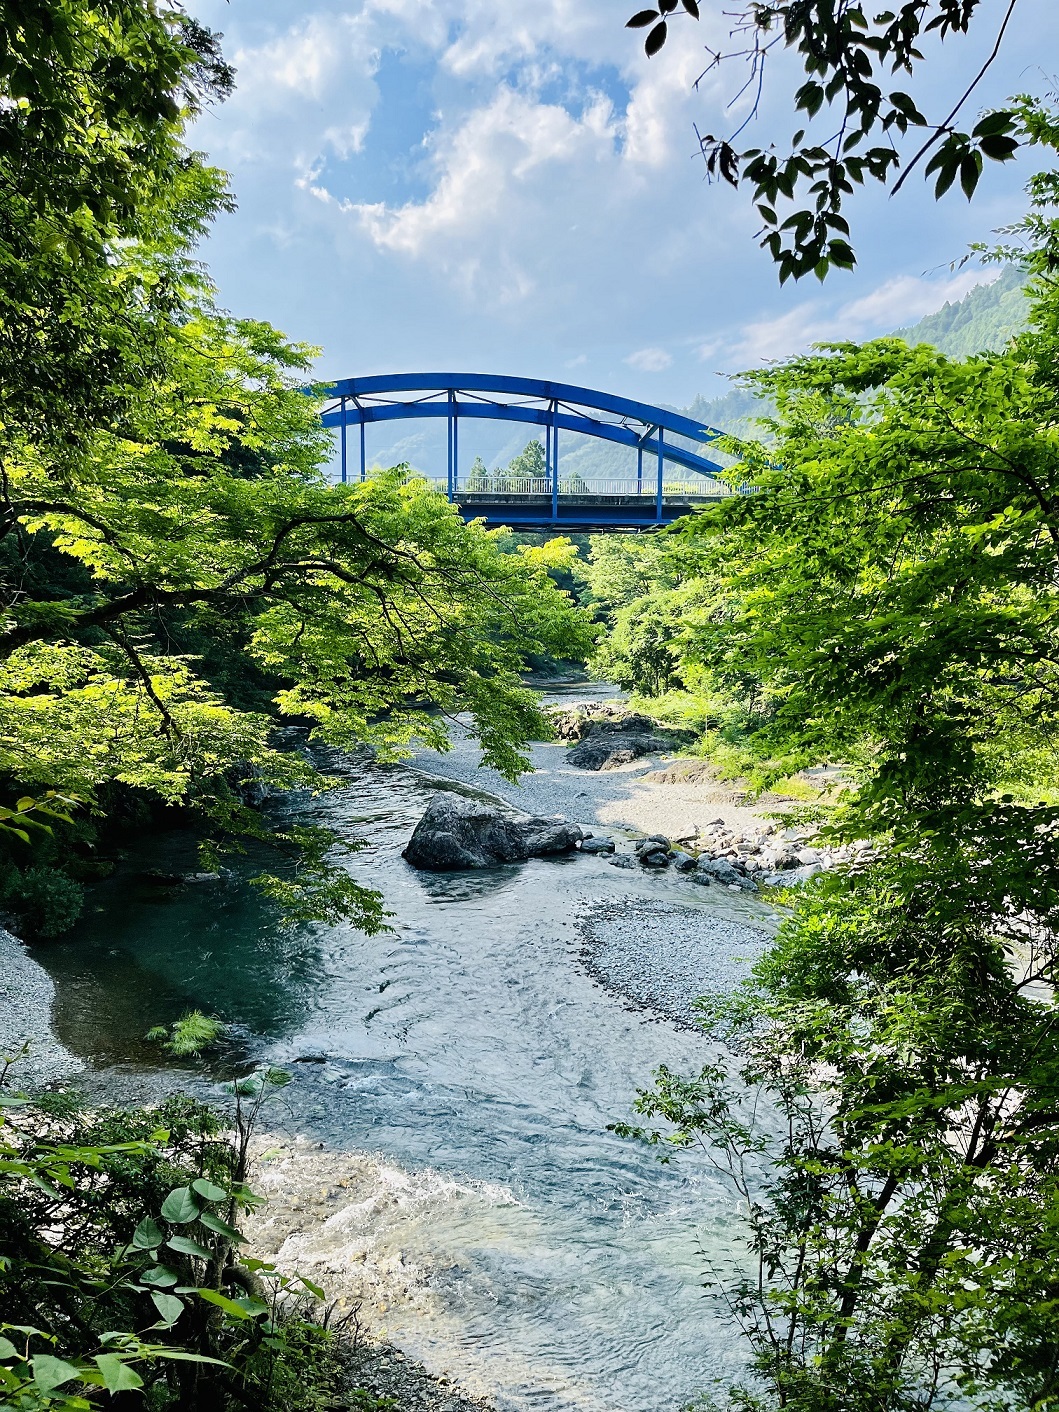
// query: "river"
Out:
[543,1261]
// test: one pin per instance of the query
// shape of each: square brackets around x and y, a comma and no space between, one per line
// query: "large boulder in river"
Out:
[611,736]
[463,833]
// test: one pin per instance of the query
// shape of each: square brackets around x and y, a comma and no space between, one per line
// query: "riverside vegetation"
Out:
[179,578]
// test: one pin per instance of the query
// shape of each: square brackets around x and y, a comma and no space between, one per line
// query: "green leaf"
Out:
[160,1276]
[8,1349]
[50,1372]
[208,1190]
[219,1227]
[186,1246]
[212,1296]
[181,1206]
[148,1234]
[117,1375]
[168,1305]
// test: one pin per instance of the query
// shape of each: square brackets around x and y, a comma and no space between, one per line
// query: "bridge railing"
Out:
[497,483]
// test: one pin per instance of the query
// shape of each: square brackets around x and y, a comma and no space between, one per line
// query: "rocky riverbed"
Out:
[444,1167]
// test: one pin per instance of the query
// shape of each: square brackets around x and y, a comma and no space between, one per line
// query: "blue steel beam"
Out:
[386,383]
[539,416]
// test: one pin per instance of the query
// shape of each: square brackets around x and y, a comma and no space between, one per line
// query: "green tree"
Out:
[892,586]
[175,570]
[530,464]
[478,475]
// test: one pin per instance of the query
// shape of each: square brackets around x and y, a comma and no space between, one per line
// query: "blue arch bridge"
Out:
[672,476]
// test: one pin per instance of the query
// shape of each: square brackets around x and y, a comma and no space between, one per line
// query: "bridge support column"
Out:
[363,455]
[639,469]
[451,478]
[552,440]
[343,439]
[661,469]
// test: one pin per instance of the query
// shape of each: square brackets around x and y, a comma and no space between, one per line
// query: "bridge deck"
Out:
[585,512]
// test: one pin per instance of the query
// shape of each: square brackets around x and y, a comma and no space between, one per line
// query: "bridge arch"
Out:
[555,406]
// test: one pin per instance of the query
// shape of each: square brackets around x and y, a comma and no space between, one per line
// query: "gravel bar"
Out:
[662,956]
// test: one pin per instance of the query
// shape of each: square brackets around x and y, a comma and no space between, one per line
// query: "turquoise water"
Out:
[471,1051]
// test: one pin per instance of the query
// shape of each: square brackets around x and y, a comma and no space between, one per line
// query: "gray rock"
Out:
[792,877]
[607,752]
[597,845]
[655,857]
[684,862]
[457,833]
[622,860]
[545,837]
[722,871]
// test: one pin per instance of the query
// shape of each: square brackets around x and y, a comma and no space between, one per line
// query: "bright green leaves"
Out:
[181,1205]
[148,1234]
[889,599]
[117,1374]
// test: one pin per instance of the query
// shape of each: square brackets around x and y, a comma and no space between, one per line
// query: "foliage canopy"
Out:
[889,591]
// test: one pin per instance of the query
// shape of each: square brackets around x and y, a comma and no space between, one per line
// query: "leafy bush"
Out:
[46,901]
[121,1271]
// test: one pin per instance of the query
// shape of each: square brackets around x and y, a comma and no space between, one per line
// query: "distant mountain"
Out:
[982,321]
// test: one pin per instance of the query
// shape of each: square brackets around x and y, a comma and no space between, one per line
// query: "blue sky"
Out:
[511,187]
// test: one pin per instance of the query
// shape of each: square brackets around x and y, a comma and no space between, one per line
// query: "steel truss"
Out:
[557,406]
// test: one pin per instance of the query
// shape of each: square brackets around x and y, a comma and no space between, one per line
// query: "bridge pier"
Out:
[551,435]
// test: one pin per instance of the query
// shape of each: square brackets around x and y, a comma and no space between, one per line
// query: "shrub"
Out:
[46,901]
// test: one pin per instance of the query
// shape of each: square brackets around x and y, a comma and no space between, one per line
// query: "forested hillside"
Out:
[983,321]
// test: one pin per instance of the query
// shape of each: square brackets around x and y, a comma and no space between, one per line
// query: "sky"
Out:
[511,186]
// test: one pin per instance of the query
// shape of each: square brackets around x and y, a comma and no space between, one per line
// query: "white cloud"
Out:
[894,304]
[484,220]
[650,360]
[299,97]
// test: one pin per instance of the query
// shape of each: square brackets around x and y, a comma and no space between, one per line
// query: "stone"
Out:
[791,877]
[545,837]
[607,752]
[456,833]
[655,857]
[684,862]
[722,871]
[597,845]
[622,860]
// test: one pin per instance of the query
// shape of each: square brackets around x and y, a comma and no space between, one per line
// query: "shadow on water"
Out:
[147,952]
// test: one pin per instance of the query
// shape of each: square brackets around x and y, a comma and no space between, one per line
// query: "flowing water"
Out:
[549,1263]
